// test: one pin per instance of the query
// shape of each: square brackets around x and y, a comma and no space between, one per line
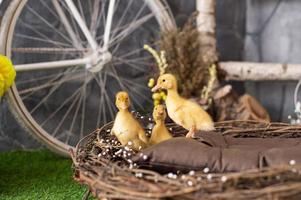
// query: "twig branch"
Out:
[242,71]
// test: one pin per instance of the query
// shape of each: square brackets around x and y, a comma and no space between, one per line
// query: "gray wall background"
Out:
[251,30]
[273,35]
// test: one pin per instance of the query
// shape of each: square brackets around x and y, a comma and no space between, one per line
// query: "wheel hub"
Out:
[99,59]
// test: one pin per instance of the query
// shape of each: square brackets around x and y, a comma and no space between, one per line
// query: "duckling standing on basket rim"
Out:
[126,128]
[159,132]
[186,113]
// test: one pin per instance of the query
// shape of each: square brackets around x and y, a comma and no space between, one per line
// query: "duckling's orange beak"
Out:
[155,88]
[161,112]
[123,105]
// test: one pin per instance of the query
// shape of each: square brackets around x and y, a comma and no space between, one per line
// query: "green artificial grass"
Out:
[37,175]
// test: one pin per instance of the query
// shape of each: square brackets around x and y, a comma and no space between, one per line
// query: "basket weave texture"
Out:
[105,167]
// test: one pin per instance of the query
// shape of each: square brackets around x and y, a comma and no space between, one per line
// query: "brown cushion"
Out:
[179,154]
[250,147]
[211,150]
[265,142]
[213,138]
[281,156]
[239,158]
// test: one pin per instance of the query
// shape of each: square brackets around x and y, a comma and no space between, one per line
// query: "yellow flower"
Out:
[156,102]
[156,96]
[7,74]
[151,83]
[163,95]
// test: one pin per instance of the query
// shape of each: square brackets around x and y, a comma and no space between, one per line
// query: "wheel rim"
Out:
[106,80]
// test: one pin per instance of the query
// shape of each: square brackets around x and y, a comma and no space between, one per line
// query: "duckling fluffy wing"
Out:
[191,114]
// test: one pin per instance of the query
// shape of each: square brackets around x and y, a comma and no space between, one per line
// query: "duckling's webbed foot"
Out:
[191,132]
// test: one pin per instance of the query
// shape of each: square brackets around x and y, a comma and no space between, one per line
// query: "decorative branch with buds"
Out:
[159,57]
[162,65]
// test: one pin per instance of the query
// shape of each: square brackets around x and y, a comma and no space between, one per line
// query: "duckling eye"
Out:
[163,80]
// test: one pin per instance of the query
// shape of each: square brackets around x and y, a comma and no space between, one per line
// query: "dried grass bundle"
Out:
[185,58]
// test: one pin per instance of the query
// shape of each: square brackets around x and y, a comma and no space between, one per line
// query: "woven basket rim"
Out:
[103,187]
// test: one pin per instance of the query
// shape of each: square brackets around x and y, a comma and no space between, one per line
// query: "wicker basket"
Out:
[109,176]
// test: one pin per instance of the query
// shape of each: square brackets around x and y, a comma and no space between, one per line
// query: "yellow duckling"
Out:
[126,128]
[186,113]
[159,132]
[7,74]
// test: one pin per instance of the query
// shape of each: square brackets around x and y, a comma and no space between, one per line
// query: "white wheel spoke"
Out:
[70,98]
[91,13]
[46,85]
[49,9]
[46,77]
[130,53]
[48,82]
[82,13]
[134,89]
[104,100]
[48,24]
[104,93]
[75,114]
[82,24]
[53,64]
[101,18]
[110,106]
[52,90]
[123,86]
[94,16]
[137,61]
[44,36]
[135,84]
[65,115]
[42,40]
[66,23]
[109,21]
[53,50]
[73,22]
[130,64]
[82,124]
[120,21]
[137,15]
[100,37]
[130,28]
[66,101]
[102,85]
[104,113]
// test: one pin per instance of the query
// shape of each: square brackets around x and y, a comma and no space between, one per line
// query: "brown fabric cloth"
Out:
[179,154]
[262,142]
[219,153]
[280,156]
[213,138]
